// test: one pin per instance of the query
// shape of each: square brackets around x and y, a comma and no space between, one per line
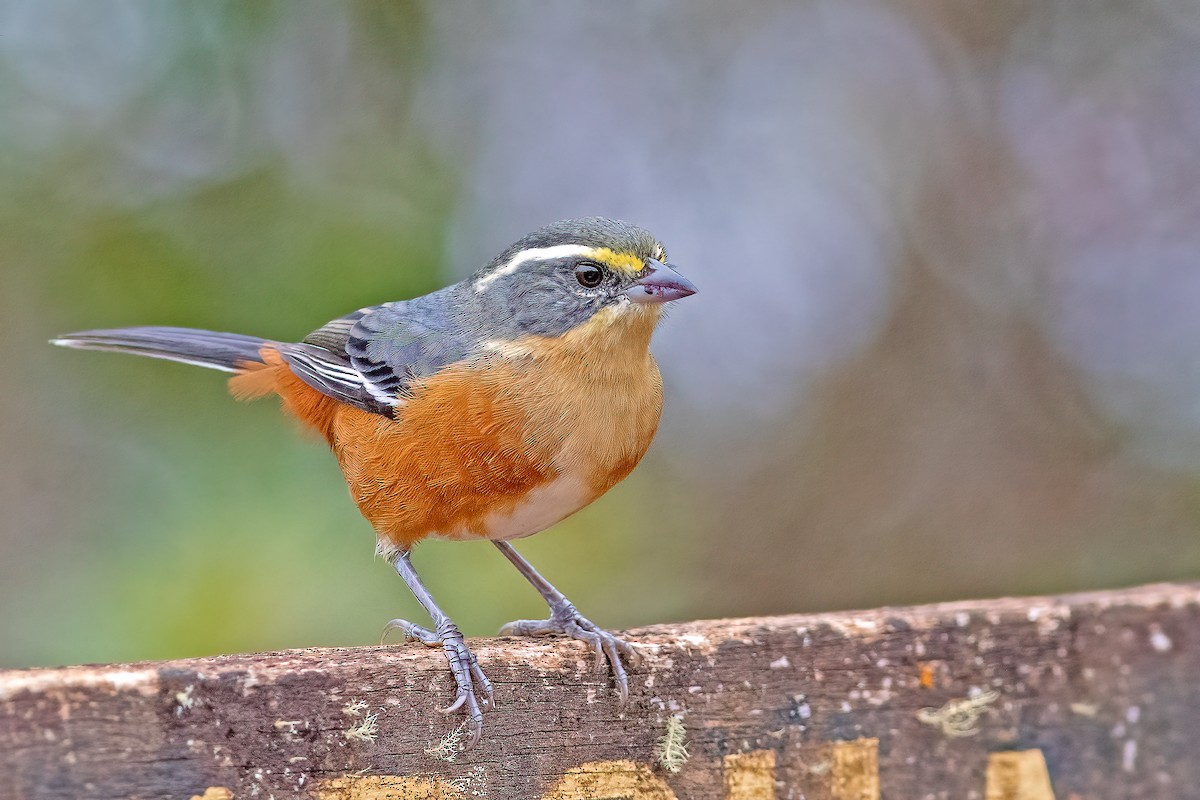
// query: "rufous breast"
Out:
[509,443]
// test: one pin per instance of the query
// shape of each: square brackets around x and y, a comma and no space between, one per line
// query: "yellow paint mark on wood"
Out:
[610,780]
[214,793]
[1018,775]
[855,771]
[388,787]
[750,776]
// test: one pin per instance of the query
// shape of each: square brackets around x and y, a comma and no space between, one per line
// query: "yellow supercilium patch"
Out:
[627,263]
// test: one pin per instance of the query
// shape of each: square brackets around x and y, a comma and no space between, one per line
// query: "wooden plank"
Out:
[1090,695]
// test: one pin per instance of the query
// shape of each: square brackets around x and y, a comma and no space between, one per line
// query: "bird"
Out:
[490,409]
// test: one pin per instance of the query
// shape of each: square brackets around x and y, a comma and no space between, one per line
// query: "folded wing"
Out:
[371,358]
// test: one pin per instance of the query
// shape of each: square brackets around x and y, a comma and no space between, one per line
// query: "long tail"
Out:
[229,352]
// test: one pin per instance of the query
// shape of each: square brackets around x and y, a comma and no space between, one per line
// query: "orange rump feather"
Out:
[306,404]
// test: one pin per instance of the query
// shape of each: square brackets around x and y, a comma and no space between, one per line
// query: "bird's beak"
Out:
[660,285]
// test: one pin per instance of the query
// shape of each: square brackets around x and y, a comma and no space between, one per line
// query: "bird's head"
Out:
[587,278]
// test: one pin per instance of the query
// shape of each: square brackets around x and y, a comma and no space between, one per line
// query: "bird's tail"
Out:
[229,352]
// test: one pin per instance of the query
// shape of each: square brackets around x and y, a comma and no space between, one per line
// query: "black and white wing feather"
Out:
[371,358]
[333,375]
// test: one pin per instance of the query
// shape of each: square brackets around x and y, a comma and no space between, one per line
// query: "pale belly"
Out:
[541,508]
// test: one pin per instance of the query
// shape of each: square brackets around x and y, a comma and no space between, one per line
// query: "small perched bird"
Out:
[490,409]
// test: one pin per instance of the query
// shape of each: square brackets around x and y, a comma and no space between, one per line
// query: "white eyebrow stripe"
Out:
[532,254]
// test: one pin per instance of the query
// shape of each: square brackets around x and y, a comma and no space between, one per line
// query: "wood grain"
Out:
[1087,696]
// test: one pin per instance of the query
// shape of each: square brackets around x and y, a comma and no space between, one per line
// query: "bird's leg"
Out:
[474,689]
[566,620]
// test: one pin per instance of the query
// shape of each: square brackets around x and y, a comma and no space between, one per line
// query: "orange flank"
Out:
[458,451]
[313,409]
[501,446]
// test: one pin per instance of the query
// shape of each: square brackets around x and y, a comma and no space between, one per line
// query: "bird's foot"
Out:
[564,619]
[412,633]
[474,694]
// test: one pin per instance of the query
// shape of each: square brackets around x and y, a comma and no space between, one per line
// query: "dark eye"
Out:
[589,275]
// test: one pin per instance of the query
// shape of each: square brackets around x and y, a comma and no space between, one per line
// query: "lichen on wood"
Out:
[1099,692]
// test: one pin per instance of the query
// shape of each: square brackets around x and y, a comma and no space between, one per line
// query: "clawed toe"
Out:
[604,646]
[412,633]
[474,691]
[457,704]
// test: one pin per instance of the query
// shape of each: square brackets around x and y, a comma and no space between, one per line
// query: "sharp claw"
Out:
[412,633]
[393,625]
[476,732]
[474,721]
[456,705]
[612,651]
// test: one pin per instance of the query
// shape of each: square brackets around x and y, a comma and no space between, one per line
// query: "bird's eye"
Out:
[589,275]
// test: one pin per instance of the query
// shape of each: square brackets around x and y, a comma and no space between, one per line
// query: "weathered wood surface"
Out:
[1085,696]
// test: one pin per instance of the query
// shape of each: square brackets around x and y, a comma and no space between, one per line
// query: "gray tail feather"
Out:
[223,351]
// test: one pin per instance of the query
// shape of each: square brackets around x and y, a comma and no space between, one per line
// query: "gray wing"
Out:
[371,358]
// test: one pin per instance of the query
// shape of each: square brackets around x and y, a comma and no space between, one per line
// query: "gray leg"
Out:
[566,620]
[474,689]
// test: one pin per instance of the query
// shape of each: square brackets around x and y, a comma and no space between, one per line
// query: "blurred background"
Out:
[947,343]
